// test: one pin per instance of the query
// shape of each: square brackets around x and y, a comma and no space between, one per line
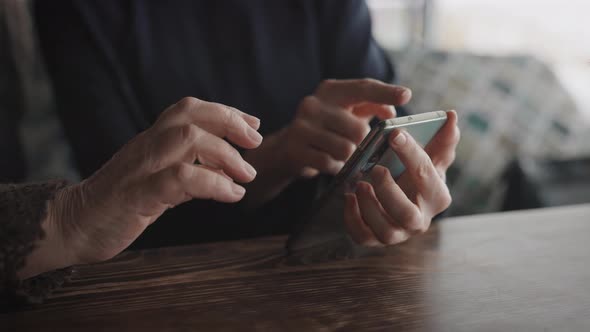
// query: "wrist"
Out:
[51,251]
[63,219]
[274,172]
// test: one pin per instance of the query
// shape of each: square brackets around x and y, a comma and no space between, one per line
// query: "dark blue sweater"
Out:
[116,64]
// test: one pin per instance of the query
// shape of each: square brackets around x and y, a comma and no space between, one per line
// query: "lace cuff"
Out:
[22,209]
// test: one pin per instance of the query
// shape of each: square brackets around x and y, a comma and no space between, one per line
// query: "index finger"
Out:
[218,119]
[346,93]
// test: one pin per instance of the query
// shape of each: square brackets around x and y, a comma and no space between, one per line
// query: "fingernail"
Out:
[250,170]
[239,190]
[407,94]
[254,135]
[399,139]
[393,110]
[254,122]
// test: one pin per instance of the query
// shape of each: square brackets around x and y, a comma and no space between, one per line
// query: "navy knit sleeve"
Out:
[348,47]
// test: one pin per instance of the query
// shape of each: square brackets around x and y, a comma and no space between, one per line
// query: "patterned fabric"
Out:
[507,106]
[22,209]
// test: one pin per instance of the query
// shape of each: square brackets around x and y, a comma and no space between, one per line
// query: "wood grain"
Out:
[516,271]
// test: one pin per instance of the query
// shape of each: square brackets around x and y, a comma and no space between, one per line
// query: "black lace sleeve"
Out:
[22,208]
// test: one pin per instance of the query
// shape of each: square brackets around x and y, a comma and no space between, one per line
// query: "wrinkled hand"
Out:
[390,211]
[330,124]
[324,133]
[153,172]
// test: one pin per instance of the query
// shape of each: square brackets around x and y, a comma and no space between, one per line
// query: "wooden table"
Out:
[516,271]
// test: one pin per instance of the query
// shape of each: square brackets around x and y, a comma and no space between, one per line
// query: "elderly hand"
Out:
[390,211]
[156,170]
[325,132]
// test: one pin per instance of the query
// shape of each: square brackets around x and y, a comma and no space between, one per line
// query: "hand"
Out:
[389,211]
[324,133]
[98,218]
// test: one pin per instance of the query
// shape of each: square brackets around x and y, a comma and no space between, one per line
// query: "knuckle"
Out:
[181,109]
[187,102]
[424,172]
[325,84]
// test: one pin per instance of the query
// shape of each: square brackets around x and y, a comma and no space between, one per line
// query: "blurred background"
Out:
[518,72]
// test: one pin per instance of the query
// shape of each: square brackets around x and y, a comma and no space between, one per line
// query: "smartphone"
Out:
[324,226]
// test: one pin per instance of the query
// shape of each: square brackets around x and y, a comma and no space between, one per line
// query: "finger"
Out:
[430,192]
[442,147]
[395,202]
[218,119]
[382,112]
[184,181]
[373,214]
[356,227]
[346,125]
[333,118]
[338,147]
[417,162]
[189,143]
[309,172]
[251,120]
[347,93]
[316,159]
